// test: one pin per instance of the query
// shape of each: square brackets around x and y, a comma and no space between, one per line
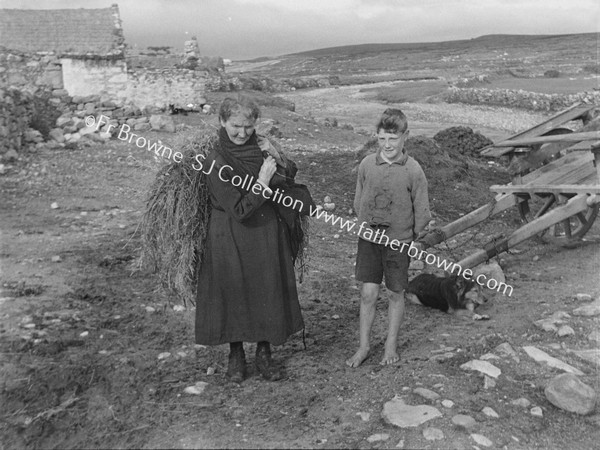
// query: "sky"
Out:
[245,29]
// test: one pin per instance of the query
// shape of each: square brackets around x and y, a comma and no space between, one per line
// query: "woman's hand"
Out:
[267,170]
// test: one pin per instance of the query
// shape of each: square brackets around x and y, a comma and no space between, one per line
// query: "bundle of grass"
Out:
[174,225]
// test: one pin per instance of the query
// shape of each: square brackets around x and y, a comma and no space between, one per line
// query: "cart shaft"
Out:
[501,203]
[575,205]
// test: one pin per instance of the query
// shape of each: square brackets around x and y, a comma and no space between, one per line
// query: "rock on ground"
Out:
[426,393]
[568,392]
[541,356]
[522,402]
[398,413]
[482,366]
[490,412]
[378,437]
[433,434]
[464,421]
[482,440]
[589,310]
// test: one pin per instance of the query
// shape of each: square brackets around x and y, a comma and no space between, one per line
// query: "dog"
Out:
[189,108]
[173,110]
[448,294]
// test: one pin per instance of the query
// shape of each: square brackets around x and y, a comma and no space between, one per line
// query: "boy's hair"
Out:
[392,121]
[230,105]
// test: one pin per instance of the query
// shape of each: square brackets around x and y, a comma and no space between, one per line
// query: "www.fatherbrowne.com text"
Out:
[379,237]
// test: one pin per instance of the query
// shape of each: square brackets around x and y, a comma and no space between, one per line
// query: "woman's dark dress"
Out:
[246,286]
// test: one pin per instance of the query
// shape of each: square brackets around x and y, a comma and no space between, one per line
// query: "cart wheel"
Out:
[563,233]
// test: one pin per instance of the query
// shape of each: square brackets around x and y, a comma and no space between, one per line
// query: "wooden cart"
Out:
[559,199]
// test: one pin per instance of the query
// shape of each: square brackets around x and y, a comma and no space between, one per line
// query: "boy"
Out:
[392,203]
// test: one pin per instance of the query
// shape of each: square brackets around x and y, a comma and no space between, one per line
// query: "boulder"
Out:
[433,434]
[568,392]
[33,136]
[60,93]
[144,126]
[543,357]
[589,310]
[483,367]
[398,413]
[10,155]
[464,421]
[162,123]
[86,130]
[56,134]
[426,393]
[63,121]
[90,108]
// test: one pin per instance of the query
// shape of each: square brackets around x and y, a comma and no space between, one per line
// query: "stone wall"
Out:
[160,88]
[30,72]
[108,78]
[512,98]
[94,76]
[16,111]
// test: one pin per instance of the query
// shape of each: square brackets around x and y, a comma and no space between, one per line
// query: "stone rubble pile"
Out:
[90,117]
[191,53]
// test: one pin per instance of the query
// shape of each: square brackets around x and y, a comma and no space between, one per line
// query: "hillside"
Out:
[519,55]
[488,41]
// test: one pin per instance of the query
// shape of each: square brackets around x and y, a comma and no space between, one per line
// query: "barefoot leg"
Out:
[369,294]
[395,315]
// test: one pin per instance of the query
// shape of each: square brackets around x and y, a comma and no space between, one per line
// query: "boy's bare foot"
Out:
[358,358]
[389,358]
[390,354]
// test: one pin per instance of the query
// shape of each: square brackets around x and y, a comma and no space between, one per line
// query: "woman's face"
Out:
[239,127]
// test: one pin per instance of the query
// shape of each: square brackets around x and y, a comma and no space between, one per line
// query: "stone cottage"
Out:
[79,50]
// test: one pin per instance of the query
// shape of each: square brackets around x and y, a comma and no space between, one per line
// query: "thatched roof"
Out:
[64,32]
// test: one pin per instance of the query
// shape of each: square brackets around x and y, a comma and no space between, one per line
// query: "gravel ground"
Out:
[350,106]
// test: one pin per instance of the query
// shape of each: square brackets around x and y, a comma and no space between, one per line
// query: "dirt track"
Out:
[108,388]
[354,105]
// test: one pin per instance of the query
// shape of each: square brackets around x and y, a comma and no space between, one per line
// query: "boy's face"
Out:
[391,144]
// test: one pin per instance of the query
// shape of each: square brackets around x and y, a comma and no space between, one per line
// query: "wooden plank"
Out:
[583,146]
[499,204]
[551,171]
[596,153]
[547,188]
[579,146]
[495,152]
[569,137]
[573,112]
[575,205]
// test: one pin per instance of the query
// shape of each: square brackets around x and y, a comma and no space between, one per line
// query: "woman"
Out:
[246,285]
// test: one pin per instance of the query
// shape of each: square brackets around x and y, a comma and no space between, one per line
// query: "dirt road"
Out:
[93,356]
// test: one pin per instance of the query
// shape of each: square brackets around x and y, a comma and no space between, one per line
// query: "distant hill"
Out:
[488,41]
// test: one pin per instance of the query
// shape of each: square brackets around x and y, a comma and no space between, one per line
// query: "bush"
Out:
[592,68]
[552,73]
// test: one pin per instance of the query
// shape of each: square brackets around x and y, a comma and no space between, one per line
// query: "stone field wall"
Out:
[511,98]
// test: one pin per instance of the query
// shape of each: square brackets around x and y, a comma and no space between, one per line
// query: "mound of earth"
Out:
[461,140]
[457,183]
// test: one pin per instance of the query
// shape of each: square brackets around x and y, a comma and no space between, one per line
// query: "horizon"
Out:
[251,29]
